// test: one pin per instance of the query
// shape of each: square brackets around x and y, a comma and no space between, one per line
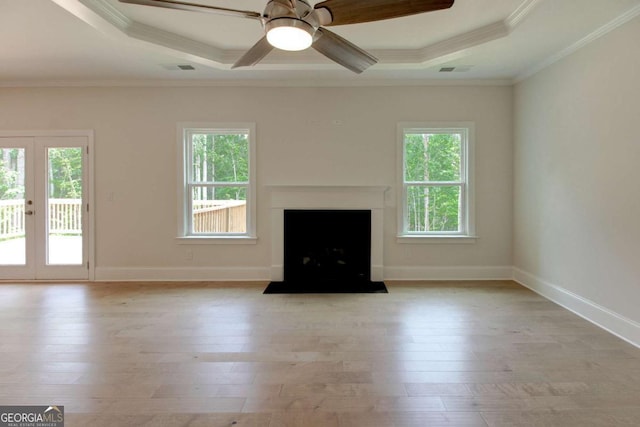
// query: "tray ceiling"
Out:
[105,40]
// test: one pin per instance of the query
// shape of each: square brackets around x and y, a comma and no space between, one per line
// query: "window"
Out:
[437,192]
[216,191]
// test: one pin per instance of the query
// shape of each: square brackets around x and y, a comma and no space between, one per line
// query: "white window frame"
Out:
[466,234]
[185,129]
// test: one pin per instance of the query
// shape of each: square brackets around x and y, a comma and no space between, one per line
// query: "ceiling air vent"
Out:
[178,67]
[457,69]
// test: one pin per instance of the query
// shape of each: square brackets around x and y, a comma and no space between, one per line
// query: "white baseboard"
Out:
[449,273]
[182,274]
[621,326]
[261,274]
[377,273]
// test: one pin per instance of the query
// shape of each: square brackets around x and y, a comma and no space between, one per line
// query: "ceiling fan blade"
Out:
[173,4]
[356,11]
[255,54]
[342,51]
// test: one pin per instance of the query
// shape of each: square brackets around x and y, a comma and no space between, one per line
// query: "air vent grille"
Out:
[456,69]
[178,67]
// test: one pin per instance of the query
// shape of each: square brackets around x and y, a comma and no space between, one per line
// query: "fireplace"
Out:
[327,247]
[303,200]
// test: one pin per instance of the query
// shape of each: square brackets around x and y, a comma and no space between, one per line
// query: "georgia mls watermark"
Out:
[32,416]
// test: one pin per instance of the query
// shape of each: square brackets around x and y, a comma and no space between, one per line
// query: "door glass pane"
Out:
[64,202]
[12,207]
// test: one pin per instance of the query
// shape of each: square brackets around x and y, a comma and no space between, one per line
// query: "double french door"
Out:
[44,207]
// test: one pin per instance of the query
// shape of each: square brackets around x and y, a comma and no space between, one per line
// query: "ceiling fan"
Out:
[296,25]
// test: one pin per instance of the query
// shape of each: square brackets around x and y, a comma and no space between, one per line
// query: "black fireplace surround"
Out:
[327,251]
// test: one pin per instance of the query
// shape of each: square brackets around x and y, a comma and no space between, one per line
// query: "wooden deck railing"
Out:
[11,218]
[65,217]
[220,216]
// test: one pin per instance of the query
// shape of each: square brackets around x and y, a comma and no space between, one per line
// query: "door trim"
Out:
[89,134]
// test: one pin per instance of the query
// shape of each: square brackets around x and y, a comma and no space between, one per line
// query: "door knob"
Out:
[28,213]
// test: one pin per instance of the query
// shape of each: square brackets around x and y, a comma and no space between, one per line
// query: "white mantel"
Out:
[326,197]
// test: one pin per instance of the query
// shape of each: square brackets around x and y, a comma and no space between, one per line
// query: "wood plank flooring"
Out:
[224,354]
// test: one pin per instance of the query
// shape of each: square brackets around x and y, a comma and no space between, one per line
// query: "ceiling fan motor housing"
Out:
[289,16]
[275,9]
[299,9]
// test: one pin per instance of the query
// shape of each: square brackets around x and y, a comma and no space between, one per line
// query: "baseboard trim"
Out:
[260,273]
[449,273]
[182,274]
[618,325]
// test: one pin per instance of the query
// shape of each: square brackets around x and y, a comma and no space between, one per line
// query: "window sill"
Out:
[215,240]
[428,240]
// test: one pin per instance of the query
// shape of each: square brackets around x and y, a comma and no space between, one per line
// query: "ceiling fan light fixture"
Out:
[289,34]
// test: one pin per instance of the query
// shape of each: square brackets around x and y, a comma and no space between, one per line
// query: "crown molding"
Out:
[605,29]
[100,14]
[302,83]
[108,12]
[185,47]
[457,45]
[103,16]
[521,13]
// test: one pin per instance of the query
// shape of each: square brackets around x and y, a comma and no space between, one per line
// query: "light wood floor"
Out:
[426,354]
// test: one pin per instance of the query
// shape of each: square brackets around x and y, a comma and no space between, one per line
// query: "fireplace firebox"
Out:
[327,251]
[327,246]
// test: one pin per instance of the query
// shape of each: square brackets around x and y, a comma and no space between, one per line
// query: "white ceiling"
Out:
[92,41]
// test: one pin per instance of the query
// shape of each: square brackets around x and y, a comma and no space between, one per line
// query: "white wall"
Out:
[576,177]
[298,142]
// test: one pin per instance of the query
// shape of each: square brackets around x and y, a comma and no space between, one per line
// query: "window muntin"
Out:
[217,193]
[435,184]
